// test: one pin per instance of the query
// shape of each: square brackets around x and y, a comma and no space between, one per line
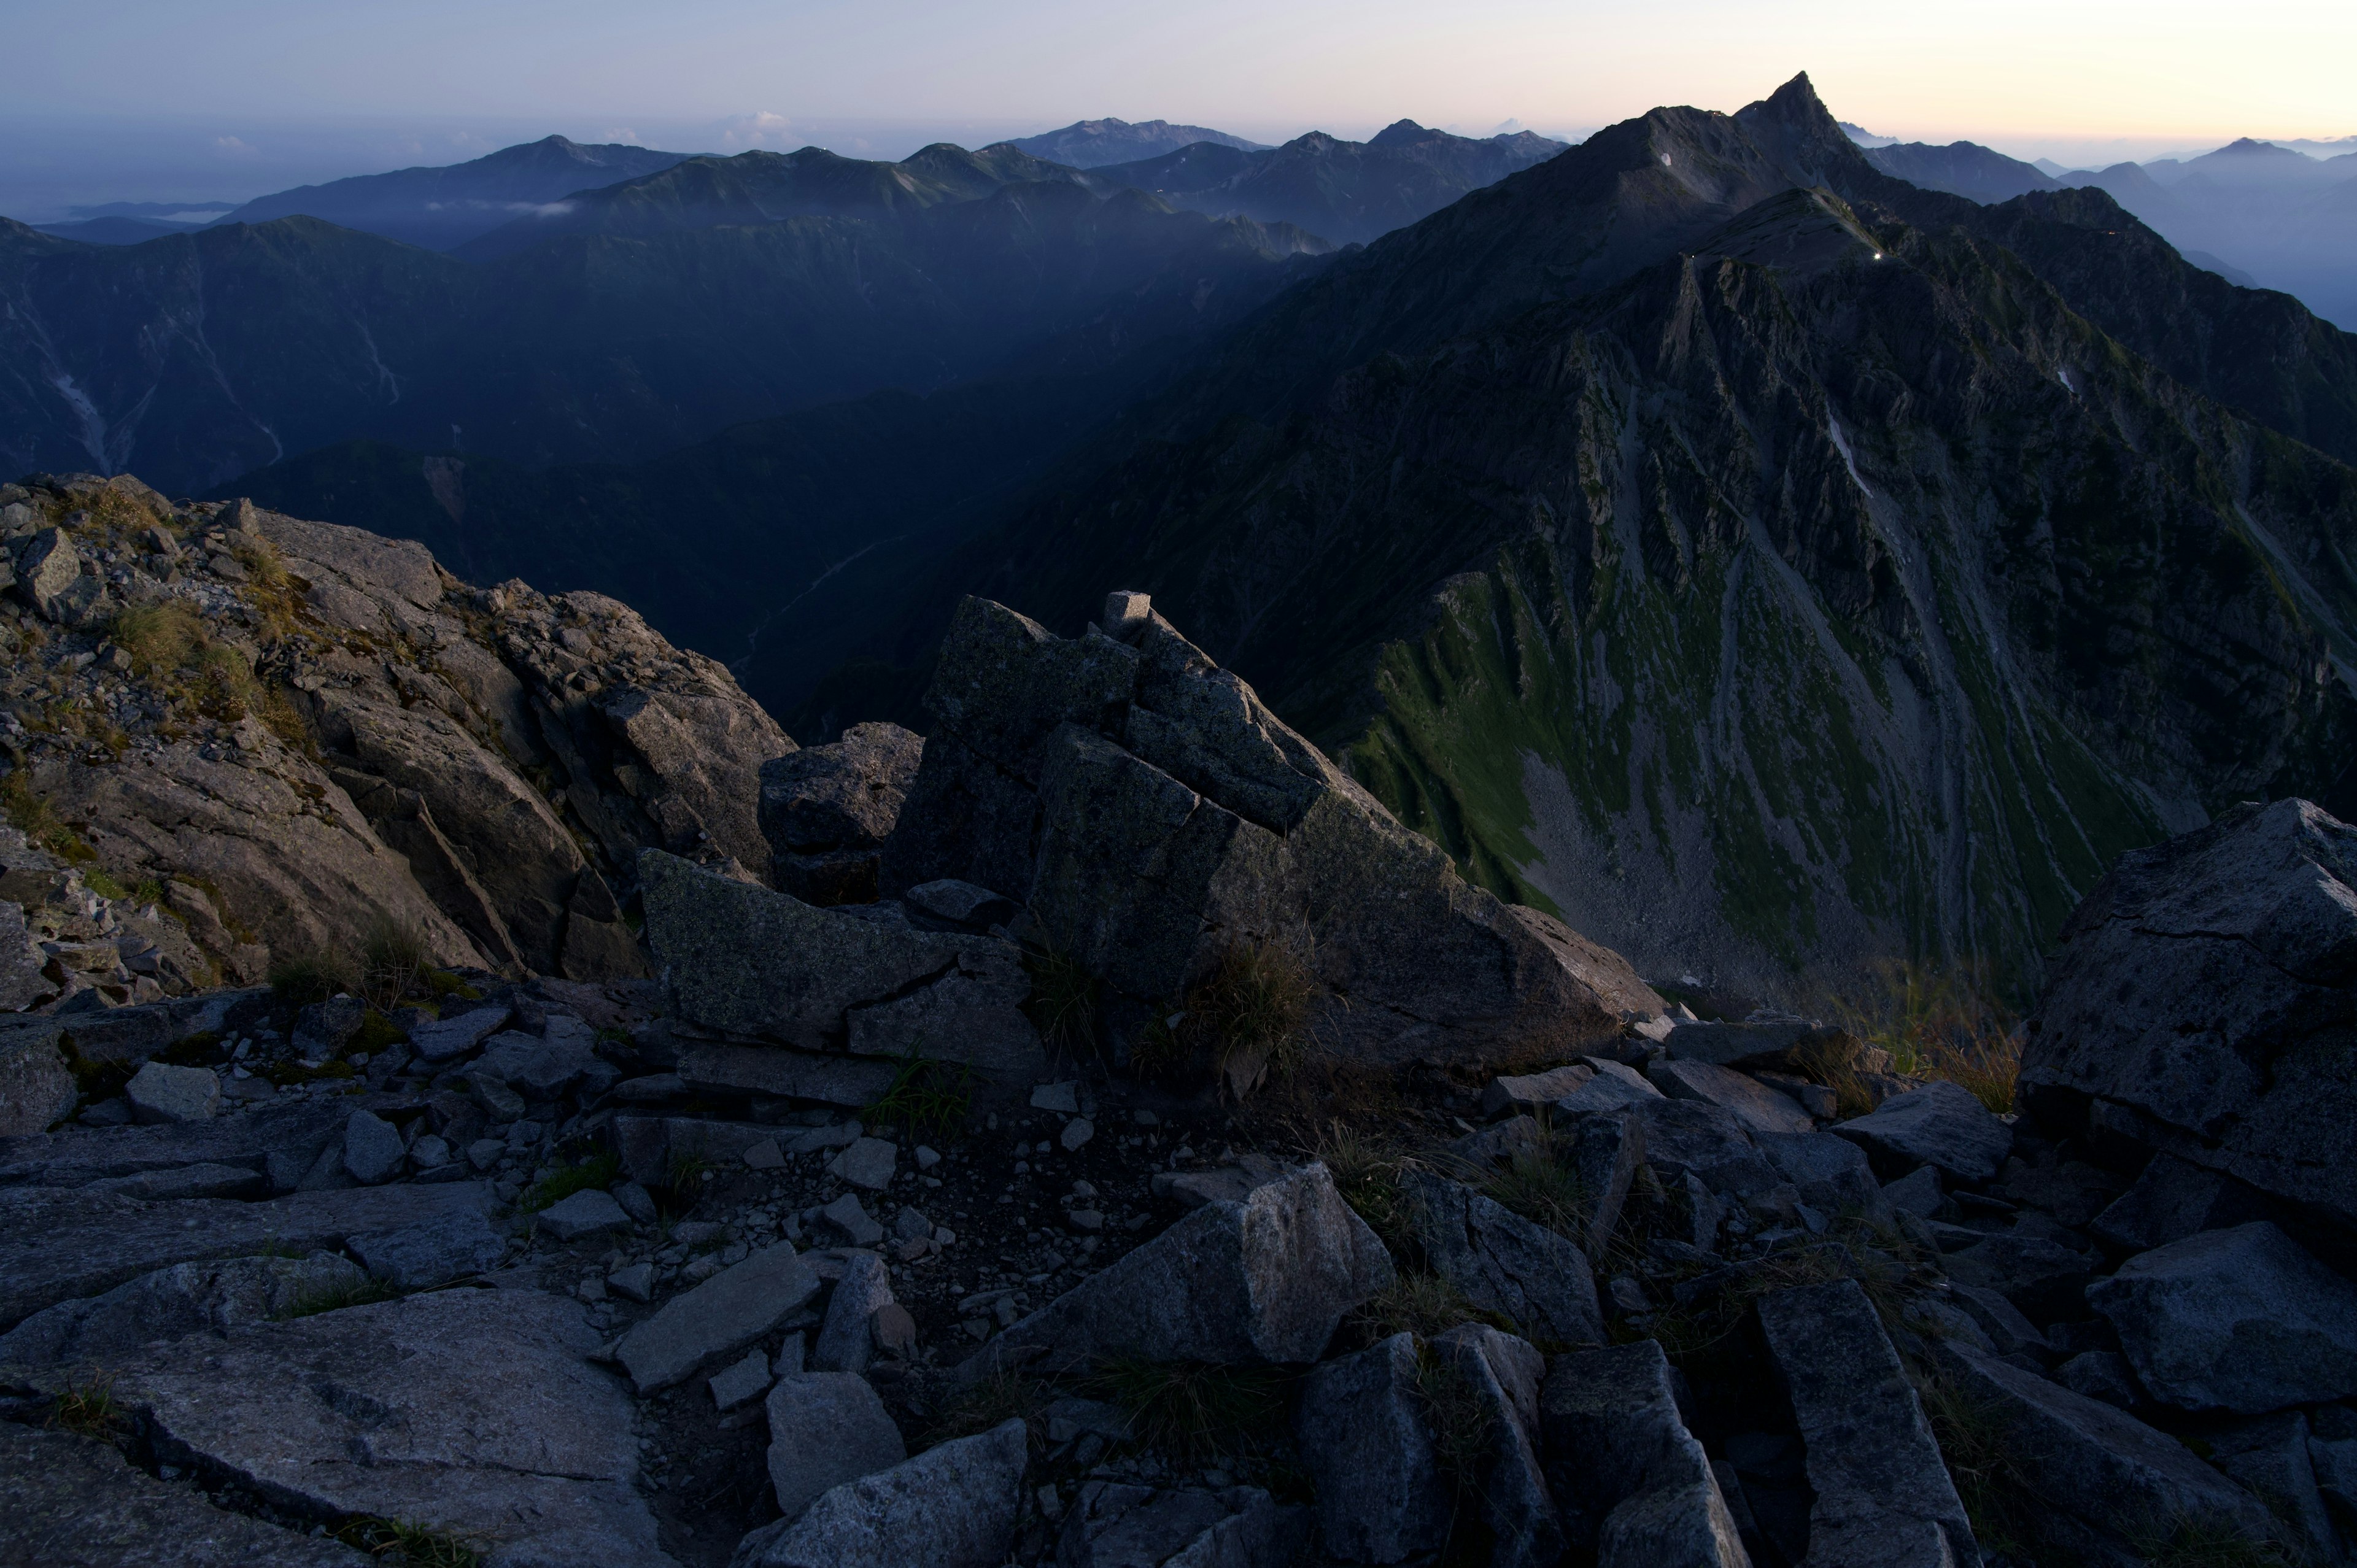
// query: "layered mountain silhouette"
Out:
[444,207]
[1770,565]
[197,357]
[1342,190]
[1091,143]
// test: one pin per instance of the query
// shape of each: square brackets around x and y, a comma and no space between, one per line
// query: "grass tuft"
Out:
[1951,1024]
[90,1410]
[1252,1012]
[398,1542]
[33,814]
[1065,999]
[1366,1172]
[1537,1185]
[1421,1303]
[392,962]
[300,979]
[1461,1425]
[1193,1410]
[1002,1396]
[335,1298]
[595,1174]
[927,1096]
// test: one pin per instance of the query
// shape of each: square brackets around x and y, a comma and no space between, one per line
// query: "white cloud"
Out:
[621,134]
[234,147]
[762,129]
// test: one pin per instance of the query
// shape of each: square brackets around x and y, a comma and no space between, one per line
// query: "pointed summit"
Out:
[1794,127]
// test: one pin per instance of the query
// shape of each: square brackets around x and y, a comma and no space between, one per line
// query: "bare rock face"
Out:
[1153,813]
[827,810]
[2205,1004]
[297,733]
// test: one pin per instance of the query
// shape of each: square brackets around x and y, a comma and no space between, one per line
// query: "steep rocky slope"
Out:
[1803,583]
[281,739]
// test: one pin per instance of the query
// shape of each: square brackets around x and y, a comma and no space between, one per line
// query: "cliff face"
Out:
[281,736]
[1827,588]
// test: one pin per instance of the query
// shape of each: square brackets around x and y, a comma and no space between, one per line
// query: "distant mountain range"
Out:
[1345,191]
[2257,213]
[1091,143]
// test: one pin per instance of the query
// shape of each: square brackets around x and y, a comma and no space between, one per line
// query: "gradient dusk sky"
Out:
[2066,78]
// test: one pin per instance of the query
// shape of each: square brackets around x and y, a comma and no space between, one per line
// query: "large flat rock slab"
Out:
[474,1412]
[72,1502]
[75,1155]
[61,1245]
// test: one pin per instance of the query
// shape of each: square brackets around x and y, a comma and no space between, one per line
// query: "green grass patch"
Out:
[90,1409]
[925,1096]
[377,1032]
[335,1298]
[1421,1303]
[1064,1000]
[1251,1013]
[292,1071]
[1192,1410]
[399,1542]
[569,1176]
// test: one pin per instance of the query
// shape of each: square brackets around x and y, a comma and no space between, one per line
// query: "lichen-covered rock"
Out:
[1503,1263]
[1153,813]
[954,1506]
[36,1089]
[303,734]
[2206,993]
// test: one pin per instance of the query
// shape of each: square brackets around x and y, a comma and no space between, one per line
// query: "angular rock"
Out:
[741,1380]
[2171,1199]
[2045,1279]
[1884,1499]
[1615,1087]
[2103,1376]
[1939,1125]
[846,1341]
[1917,1193]
[449,1039]
[750,962]
[649,1146]
[826,1428]
[954,1506]
[1112,1525]
[1504,1374]
[866,1162]
[2095,1465]
[733,1309]
[1632,1484]
[846,1216]
[186,1181]
[827,810]
[2205,988]
[172,1303]
[1222,1184]
[1603,1150]
[1690,1137]
[1760,1108]
[417,1257]
[1366,1439]
[472,1412]
[1529,1092]
[74,1502]
[547,1067]
[583,1214]
[372,1149]
[972,1019]
[1264,1280]
[962,904]
[1831,1174]
[1504,1264]
[2270,1457]
[2241,1320]
[160,1094]
[57,1245]
[2008,1330]
[36,1089]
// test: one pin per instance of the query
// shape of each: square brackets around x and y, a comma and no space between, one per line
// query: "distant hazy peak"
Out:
[1400,133]
[1092,143]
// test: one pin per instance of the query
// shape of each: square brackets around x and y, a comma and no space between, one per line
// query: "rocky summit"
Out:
[473,1091]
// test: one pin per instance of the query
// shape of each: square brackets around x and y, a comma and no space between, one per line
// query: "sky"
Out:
[164,100]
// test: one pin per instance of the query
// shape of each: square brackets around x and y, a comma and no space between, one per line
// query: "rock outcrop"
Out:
[246,737]
[1153,815]
[2204,1005]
